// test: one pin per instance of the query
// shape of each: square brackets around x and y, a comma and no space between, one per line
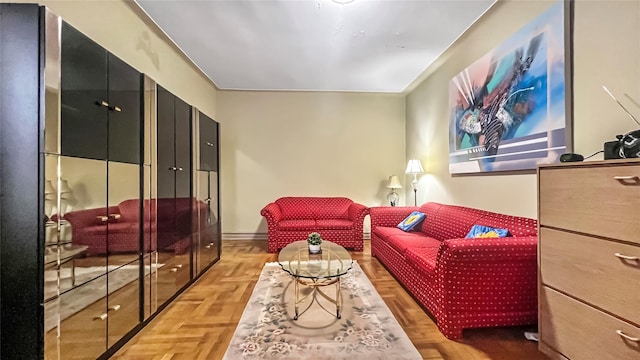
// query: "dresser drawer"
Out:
[589,269]
[603,200]
[581,332]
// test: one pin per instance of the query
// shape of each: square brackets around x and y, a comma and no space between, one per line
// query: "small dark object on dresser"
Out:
[571,157]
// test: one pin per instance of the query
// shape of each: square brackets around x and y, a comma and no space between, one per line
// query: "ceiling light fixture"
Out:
[343,2]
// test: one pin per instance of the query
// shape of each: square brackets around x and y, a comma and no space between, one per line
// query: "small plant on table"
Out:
[314,240]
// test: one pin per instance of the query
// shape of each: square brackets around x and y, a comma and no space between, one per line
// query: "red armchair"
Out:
[337,219]
[463,283]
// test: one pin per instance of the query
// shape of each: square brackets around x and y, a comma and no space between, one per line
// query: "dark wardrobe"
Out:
[109,188]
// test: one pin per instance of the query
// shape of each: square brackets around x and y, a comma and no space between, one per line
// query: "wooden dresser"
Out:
[589,260]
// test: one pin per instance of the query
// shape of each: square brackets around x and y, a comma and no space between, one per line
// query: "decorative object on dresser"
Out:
[337,219]
[627,145]
[462,282]
[414,167]
[589,266]
[393,183]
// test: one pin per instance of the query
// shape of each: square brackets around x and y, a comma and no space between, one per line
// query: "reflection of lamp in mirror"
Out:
[50,196]
[49,199]
[393,183]
[65,196]
[414,167]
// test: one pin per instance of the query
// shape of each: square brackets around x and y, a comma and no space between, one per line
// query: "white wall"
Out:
[306,144]
[606,51]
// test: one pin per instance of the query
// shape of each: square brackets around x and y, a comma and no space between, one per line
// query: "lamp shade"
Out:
[414,167]
[394,182]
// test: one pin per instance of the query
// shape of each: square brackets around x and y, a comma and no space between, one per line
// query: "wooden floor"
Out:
[199,324]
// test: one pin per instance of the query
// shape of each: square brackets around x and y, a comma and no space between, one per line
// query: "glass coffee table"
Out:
[315,271]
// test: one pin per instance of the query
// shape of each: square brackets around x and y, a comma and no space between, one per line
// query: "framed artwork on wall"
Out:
[511,109]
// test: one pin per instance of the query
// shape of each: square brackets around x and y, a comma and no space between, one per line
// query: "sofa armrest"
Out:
[272,213]
[389,216]
[490,281]
[357,212]
[489,249]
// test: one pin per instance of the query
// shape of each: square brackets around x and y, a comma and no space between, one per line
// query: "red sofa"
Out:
[171,226]
[463,283]
[337,219]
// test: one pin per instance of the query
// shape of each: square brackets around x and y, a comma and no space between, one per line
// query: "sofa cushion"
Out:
[334,224]
[115,228]
[452,222]
[414,240]
[517,226]
[129,210]
[482,231]
[295,208]
[92,230]
[410,222]
[333,208]
[431,210]
[297,225]
[423,258]
[298,208]
[384,232]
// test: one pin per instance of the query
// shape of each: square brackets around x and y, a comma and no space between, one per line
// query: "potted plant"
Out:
[314,240]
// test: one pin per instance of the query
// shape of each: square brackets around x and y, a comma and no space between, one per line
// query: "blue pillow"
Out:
[481,231]
[412,221]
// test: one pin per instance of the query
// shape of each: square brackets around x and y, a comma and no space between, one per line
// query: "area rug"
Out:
[366,330]
[86,295]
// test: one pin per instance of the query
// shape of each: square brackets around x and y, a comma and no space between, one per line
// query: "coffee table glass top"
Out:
[334,260]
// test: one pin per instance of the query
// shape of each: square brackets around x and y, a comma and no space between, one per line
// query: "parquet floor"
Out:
[199,324]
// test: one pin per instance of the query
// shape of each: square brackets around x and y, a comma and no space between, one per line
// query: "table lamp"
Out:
[393,183]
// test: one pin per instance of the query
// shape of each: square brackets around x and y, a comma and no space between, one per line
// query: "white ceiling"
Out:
[316,45]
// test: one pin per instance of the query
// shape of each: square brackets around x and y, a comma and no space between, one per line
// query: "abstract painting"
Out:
[509,108]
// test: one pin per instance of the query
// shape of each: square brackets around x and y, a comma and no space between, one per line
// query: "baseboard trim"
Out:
[263,236]
[244,236]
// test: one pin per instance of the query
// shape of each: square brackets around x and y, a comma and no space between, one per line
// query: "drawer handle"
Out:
[101,317]
[173,270]
[209,144]
[102,103]
[634,339]
[627,178]
[103,219]
[115,108]
[626,257]
[115,307]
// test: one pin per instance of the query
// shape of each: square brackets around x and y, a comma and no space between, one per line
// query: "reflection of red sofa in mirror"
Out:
[169,224]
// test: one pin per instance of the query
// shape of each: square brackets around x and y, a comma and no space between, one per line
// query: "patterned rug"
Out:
[366,330]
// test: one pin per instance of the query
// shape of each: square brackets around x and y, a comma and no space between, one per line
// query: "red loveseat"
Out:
[116,229]
[463,283]
[337,219]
